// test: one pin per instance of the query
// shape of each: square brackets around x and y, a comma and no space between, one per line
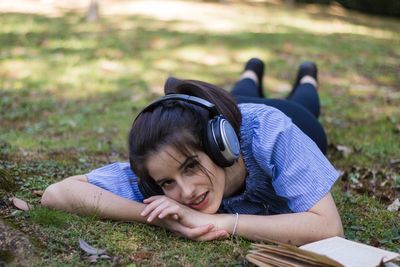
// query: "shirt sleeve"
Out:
[117,178]
[300,172]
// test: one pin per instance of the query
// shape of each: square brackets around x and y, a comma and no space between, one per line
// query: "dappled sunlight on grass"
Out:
[194,54]
[19,69]
[70,44]
[243,54]
[238,18]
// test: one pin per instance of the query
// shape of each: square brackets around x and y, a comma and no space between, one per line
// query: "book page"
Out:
[350,253]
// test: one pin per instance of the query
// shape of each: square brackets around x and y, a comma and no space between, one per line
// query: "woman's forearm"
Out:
[79,196]
[296,228]
[322,221]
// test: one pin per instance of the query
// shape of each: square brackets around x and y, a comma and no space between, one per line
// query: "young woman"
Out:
[208,167]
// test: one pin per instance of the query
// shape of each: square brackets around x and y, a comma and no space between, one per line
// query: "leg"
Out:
[300,116]
[245,87]
[306,95]
[250,83]
[304,90]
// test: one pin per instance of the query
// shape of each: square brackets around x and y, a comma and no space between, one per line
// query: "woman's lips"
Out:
[200,202]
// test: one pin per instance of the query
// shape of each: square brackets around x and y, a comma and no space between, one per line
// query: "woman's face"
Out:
[183,180]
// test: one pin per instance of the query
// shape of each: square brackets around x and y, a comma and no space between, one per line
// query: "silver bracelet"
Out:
[236,224]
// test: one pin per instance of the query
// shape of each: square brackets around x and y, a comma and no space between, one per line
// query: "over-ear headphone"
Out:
[219,138]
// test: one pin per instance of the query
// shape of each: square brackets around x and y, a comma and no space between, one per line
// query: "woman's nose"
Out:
[187,192]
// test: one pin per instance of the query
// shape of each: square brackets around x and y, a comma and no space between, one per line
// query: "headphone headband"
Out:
[186,98]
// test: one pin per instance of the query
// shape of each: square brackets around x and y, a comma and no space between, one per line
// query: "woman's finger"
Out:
[152,205]
[172,211]
[213,235]
[151,199]
[156,212]
[194,233]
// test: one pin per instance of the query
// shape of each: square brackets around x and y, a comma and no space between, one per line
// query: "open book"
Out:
[334,252]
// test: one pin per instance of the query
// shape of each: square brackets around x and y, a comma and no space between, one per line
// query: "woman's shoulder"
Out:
[116,167]
[249,107]
[117,178]
[258,117]
[254,111]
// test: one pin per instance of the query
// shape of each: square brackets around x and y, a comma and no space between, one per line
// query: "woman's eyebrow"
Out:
[188,159]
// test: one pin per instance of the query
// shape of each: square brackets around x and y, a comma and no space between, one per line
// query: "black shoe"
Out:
[256,65]
[307,68]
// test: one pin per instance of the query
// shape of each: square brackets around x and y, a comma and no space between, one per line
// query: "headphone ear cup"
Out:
[211,146]
[220,142]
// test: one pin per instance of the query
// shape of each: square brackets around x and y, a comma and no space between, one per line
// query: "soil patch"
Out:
[15,247]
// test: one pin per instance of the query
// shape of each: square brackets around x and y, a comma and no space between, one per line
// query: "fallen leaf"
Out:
[105,257]
[287,47]
[143,255]
[345,150]
[20,204]
[375,242]
[93,254]
[89,249]
[93,258]
[394,161]
[12,214]
[38,193]
[395,206]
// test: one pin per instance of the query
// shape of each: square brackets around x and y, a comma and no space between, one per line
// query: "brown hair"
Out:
[176,123]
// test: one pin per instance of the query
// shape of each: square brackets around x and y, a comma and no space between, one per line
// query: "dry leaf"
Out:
[394,161]
[93,254]
[20,204]
[38,193]
[345,150]
[92,258]
[395,206]
[89,249]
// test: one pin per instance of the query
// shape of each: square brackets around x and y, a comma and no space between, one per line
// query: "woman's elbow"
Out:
[339,229]
[50,196]
[58,195]
[334,228]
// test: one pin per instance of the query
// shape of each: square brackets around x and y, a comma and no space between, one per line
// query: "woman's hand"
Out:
[181,220]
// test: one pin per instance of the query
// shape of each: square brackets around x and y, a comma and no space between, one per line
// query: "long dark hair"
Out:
[178,124]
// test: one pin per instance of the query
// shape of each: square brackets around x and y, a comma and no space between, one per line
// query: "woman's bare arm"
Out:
[321,221]
[75,194]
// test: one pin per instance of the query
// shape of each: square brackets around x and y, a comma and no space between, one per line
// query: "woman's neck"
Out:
[234,178]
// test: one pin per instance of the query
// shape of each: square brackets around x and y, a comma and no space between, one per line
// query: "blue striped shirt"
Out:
[286,170]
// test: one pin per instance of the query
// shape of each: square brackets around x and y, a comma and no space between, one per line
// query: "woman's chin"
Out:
[212,209]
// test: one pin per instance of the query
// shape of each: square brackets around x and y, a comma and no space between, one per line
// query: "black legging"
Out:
[302,106]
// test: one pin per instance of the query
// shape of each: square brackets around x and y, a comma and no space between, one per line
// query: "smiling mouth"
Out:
[199,202]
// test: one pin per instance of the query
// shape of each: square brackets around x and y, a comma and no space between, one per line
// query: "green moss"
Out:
[47,217]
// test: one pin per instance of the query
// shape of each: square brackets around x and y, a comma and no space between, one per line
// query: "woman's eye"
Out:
[167,183]
[191,166]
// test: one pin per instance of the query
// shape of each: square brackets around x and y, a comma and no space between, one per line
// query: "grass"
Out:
[69,90]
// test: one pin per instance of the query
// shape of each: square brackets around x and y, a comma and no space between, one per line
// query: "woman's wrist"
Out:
[228,222]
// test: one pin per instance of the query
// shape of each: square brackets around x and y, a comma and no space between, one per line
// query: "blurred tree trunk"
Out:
[291,3]
[92,13]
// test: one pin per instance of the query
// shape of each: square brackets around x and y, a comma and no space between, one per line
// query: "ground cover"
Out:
[69,90]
